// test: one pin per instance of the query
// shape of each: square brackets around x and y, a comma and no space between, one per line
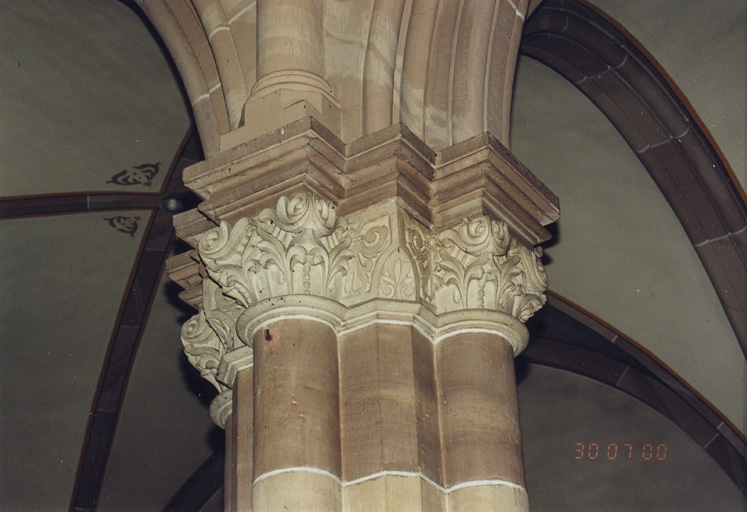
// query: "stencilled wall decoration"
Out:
[124,224]
[138,175]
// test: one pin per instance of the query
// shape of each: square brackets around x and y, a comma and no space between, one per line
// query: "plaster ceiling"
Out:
[565,483]
[95,95]
[89,96]
[619,251]
[50,363]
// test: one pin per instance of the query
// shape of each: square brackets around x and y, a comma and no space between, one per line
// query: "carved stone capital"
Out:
[378,255]
[479,265]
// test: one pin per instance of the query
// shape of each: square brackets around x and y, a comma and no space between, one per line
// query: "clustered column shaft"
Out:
[296,417]
[397,421]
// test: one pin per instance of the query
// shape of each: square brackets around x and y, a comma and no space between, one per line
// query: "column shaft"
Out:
[379,420]
[483,464]
[240,445]
[296,417]
[229,473]
[290,36]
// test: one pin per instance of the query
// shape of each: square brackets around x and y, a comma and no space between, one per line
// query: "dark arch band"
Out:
[565,336]
[611,68]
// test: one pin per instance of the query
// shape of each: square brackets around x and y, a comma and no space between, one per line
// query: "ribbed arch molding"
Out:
[443,68]
[652,115]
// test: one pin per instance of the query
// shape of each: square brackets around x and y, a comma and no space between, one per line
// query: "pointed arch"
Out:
[614,71]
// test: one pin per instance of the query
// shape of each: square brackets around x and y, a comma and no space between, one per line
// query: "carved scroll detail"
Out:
[203,348]
[478,264]
[298,247]
[302,247]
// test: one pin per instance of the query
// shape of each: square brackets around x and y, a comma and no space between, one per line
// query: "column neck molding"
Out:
[346,321]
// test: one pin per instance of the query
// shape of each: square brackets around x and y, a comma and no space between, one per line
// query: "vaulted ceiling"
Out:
[632,112]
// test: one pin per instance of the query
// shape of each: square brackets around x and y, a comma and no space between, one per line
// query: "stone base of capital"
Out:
[280,102]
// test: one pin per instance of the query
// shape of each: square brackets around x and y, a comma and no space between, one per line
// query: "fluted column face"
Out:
[381,351]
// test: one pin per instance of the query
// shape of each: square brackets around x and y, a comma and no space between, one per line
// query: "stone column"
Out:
[290,69]
[480,423]
[297,416]
[363,258]
[360,316]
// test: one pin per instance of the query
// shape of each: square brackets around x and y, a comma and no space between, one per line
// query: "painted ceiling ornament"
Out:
[124,224]
[138,175]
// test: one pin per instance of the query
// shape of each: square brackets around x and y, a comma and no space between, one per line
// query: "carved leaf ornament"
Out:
[302,247]
[480,264]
